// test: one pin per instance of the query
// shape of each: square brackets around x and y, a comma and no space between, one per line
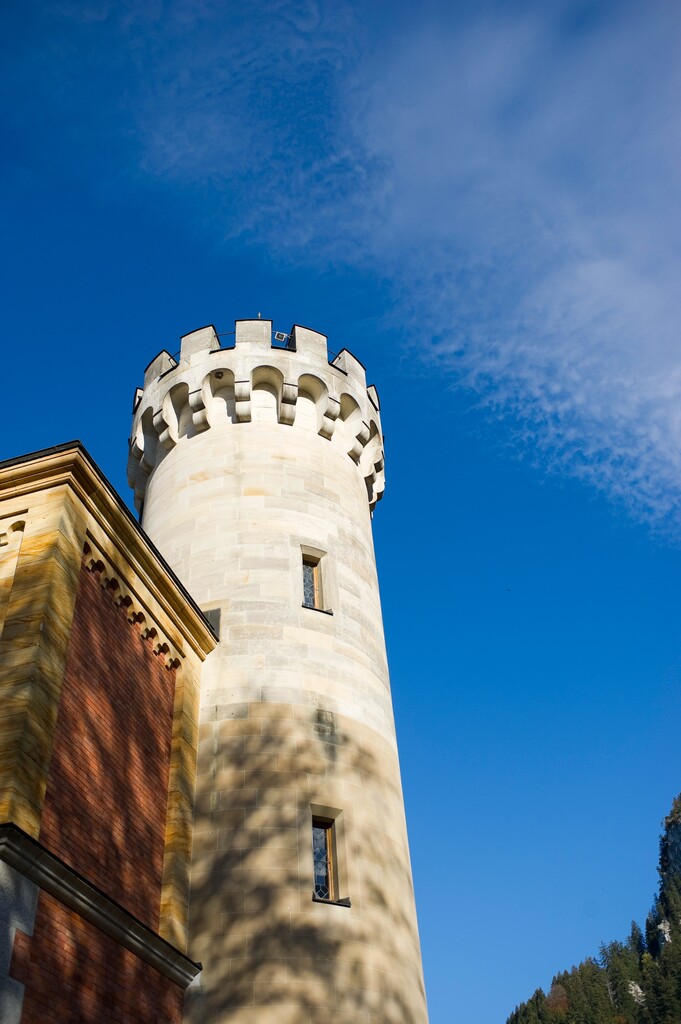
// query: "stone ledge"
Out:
[59,880]
[345,902]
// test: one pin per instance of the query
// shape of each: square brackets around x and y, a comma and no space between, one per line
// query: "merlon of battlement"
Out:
[350,365]
[159,365]
[257,335]
[203,340]
[308,342]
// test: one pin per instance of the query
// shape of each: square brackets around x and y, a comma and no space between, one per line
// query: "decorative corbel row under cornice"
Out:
[124,596]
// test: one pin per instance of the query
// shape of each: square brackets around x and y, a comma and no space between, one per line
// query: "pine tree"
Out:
[633,982]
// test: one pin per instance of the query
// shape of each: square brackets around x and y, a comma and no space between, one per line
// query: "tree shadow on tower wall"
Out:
[270,952]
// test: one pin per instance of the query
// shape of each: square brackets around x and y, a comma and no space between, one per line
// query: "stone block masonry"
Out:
[257,469]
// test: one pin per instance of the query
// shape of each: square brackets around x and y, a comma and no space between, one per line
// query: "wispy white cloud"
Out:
[535,182]
[565,162]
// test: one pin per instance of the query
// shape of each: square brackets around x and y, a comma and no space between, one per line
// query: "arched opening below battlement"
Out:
[348,425]
[218,389]
[311,403]
[266,388]
[349,409]
[177,409]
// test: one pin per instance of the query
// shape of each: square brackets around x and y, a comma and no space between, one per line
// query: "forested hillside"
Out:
[633,982]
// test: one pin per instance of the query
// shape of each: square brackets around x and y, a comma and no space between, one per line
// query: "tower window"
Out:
[324,858]
[312,591]
[317,586]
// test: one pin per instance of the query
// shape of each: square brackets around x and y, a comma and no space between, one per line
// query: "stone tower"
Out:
[256,464]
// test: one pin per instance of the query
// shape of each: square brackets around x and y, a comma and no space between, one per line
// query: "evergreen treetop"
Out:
[632,982]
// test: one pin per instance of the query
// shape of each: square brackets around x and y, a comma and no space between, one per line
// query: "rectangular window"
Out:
[323,853]
[312,592]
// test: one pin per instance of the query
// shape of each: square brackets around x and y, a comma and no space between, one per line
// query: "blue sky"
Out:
[482,201]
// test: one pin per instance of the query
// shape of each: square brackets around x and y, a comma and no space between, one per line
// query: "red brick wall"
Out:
[107,788]
[75,973]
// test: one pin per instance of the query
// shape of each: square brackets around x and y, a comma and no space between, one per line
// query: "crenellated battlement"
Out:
[257,377]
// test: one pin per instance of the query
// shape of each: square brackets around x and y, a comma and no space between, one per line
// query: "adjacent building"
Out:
[101,649]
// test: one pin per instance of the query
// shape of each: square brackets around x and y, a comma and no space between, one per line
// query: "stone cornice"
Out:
[55,877]
[70,465]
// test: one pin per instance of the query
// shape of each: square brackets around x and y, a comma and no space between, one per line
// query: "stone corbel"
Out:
[199,411]
[375,480]
[375,489]
[167,436]
[170,659]
[134,458]
[242,401]
[329,417]
[123,596]
[361,438]
[287,403]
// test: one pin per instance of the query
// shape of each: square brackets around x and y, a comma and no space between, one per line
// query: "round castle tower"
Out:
[256,468]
